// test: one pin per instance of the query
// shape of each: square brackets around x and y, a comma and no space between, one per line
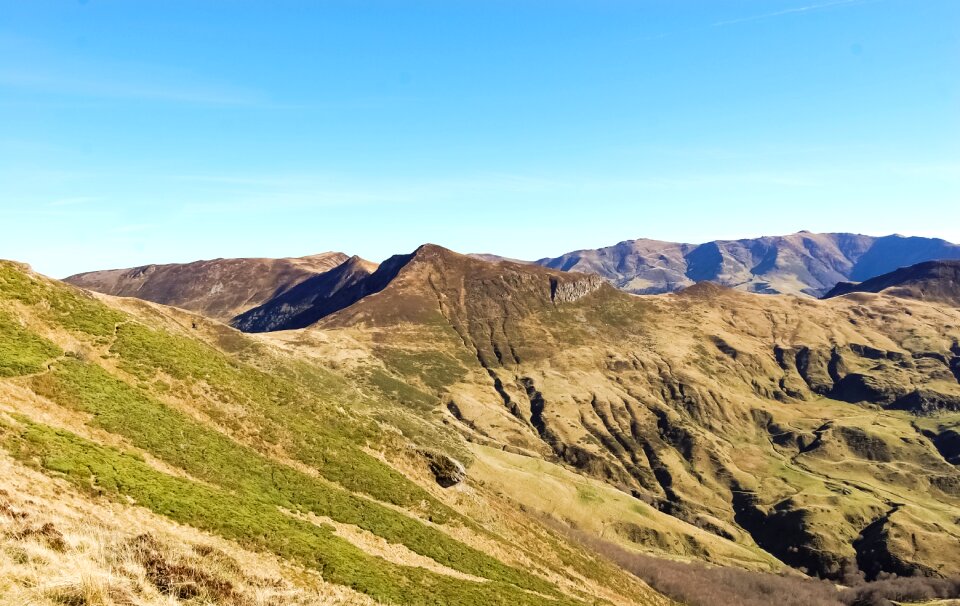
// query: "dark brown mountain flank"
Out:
[219,288]
[435,280]
[417,280]
[937,281]
[311,299]
[801,263]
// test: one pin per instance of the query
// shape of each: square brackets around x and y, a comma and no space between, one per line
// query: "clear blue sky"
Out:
[141,131]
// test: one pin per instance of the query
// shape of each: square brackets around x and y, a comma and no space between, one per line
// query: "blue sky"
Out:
[136,132]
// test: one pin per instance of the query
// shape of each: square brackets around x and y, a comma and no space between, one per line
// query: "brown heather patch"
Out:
[58,548]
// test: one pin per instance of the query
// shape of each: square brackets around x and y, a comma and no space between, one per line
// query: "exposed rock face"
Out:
[772,421]
[447,470]
[947,441]
[568,292]
[801,263]
[937,281]
[888,378]
[219,289]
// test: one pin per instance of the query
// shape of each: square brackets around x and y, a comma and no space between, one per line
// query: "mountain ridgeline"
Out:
[937,281]
[801,263]
[219,288]
[261,295]
[476,421]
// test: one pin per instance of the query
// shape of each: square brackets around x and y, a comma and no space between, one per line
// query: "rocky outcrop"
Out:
[858,373]
[445,469]
[947,443]
[568,291]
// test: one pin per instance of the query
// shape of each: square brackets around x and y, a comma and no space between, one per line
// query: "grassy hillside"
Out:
[165,415]
[765,434]
[722,426]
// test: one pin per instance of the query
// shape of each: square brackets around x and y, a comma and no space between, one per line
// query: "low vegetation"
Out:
[58,547]
[22,352]
[209,455]
[697,584]
[254,521]
[235,449]
[64,307]
[304,417]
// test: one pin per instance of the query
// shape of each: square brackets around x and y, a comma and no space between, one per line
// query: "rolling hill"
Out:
[767,426]
[220,288]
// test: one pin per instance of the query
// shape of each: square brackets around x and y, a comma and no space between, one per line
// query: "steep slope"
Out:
[801,263]
[931,281]
[197,431]
[718,425]
[353,282]
[219,288]
[416,287]
[310,300]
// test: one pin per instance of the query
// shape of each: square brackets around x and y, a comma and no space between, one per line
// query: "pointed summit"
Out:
[427,283]
[434,281]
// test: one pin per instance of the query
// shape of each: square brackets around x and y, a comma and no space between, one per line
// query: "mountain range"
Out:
[447,429]
[803,263]
[800,263]
[219,288]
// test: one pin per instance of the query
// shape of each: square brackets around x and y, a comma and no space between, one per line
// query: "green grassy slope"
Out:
[239,450]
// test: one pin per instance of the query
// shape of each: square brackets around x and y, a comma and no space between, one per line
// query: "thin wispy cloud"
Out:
[789,11]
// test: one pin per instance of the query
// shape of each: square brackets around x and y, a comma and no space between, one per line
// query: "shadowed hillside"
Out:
[221,288]
[937,281]
[315,297]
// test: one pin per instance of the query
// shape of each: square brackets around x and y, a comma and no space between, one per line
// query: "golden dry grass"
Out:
[58,547]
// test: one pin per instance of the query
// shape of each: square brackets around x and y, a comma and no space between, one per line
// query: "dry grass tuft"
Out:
[59,549]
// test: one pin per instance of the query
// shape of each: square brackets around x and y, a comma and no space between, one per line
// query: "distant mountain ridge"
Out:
[260,295]
[801,263]
[937,281]
[447,274]
[217,288]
